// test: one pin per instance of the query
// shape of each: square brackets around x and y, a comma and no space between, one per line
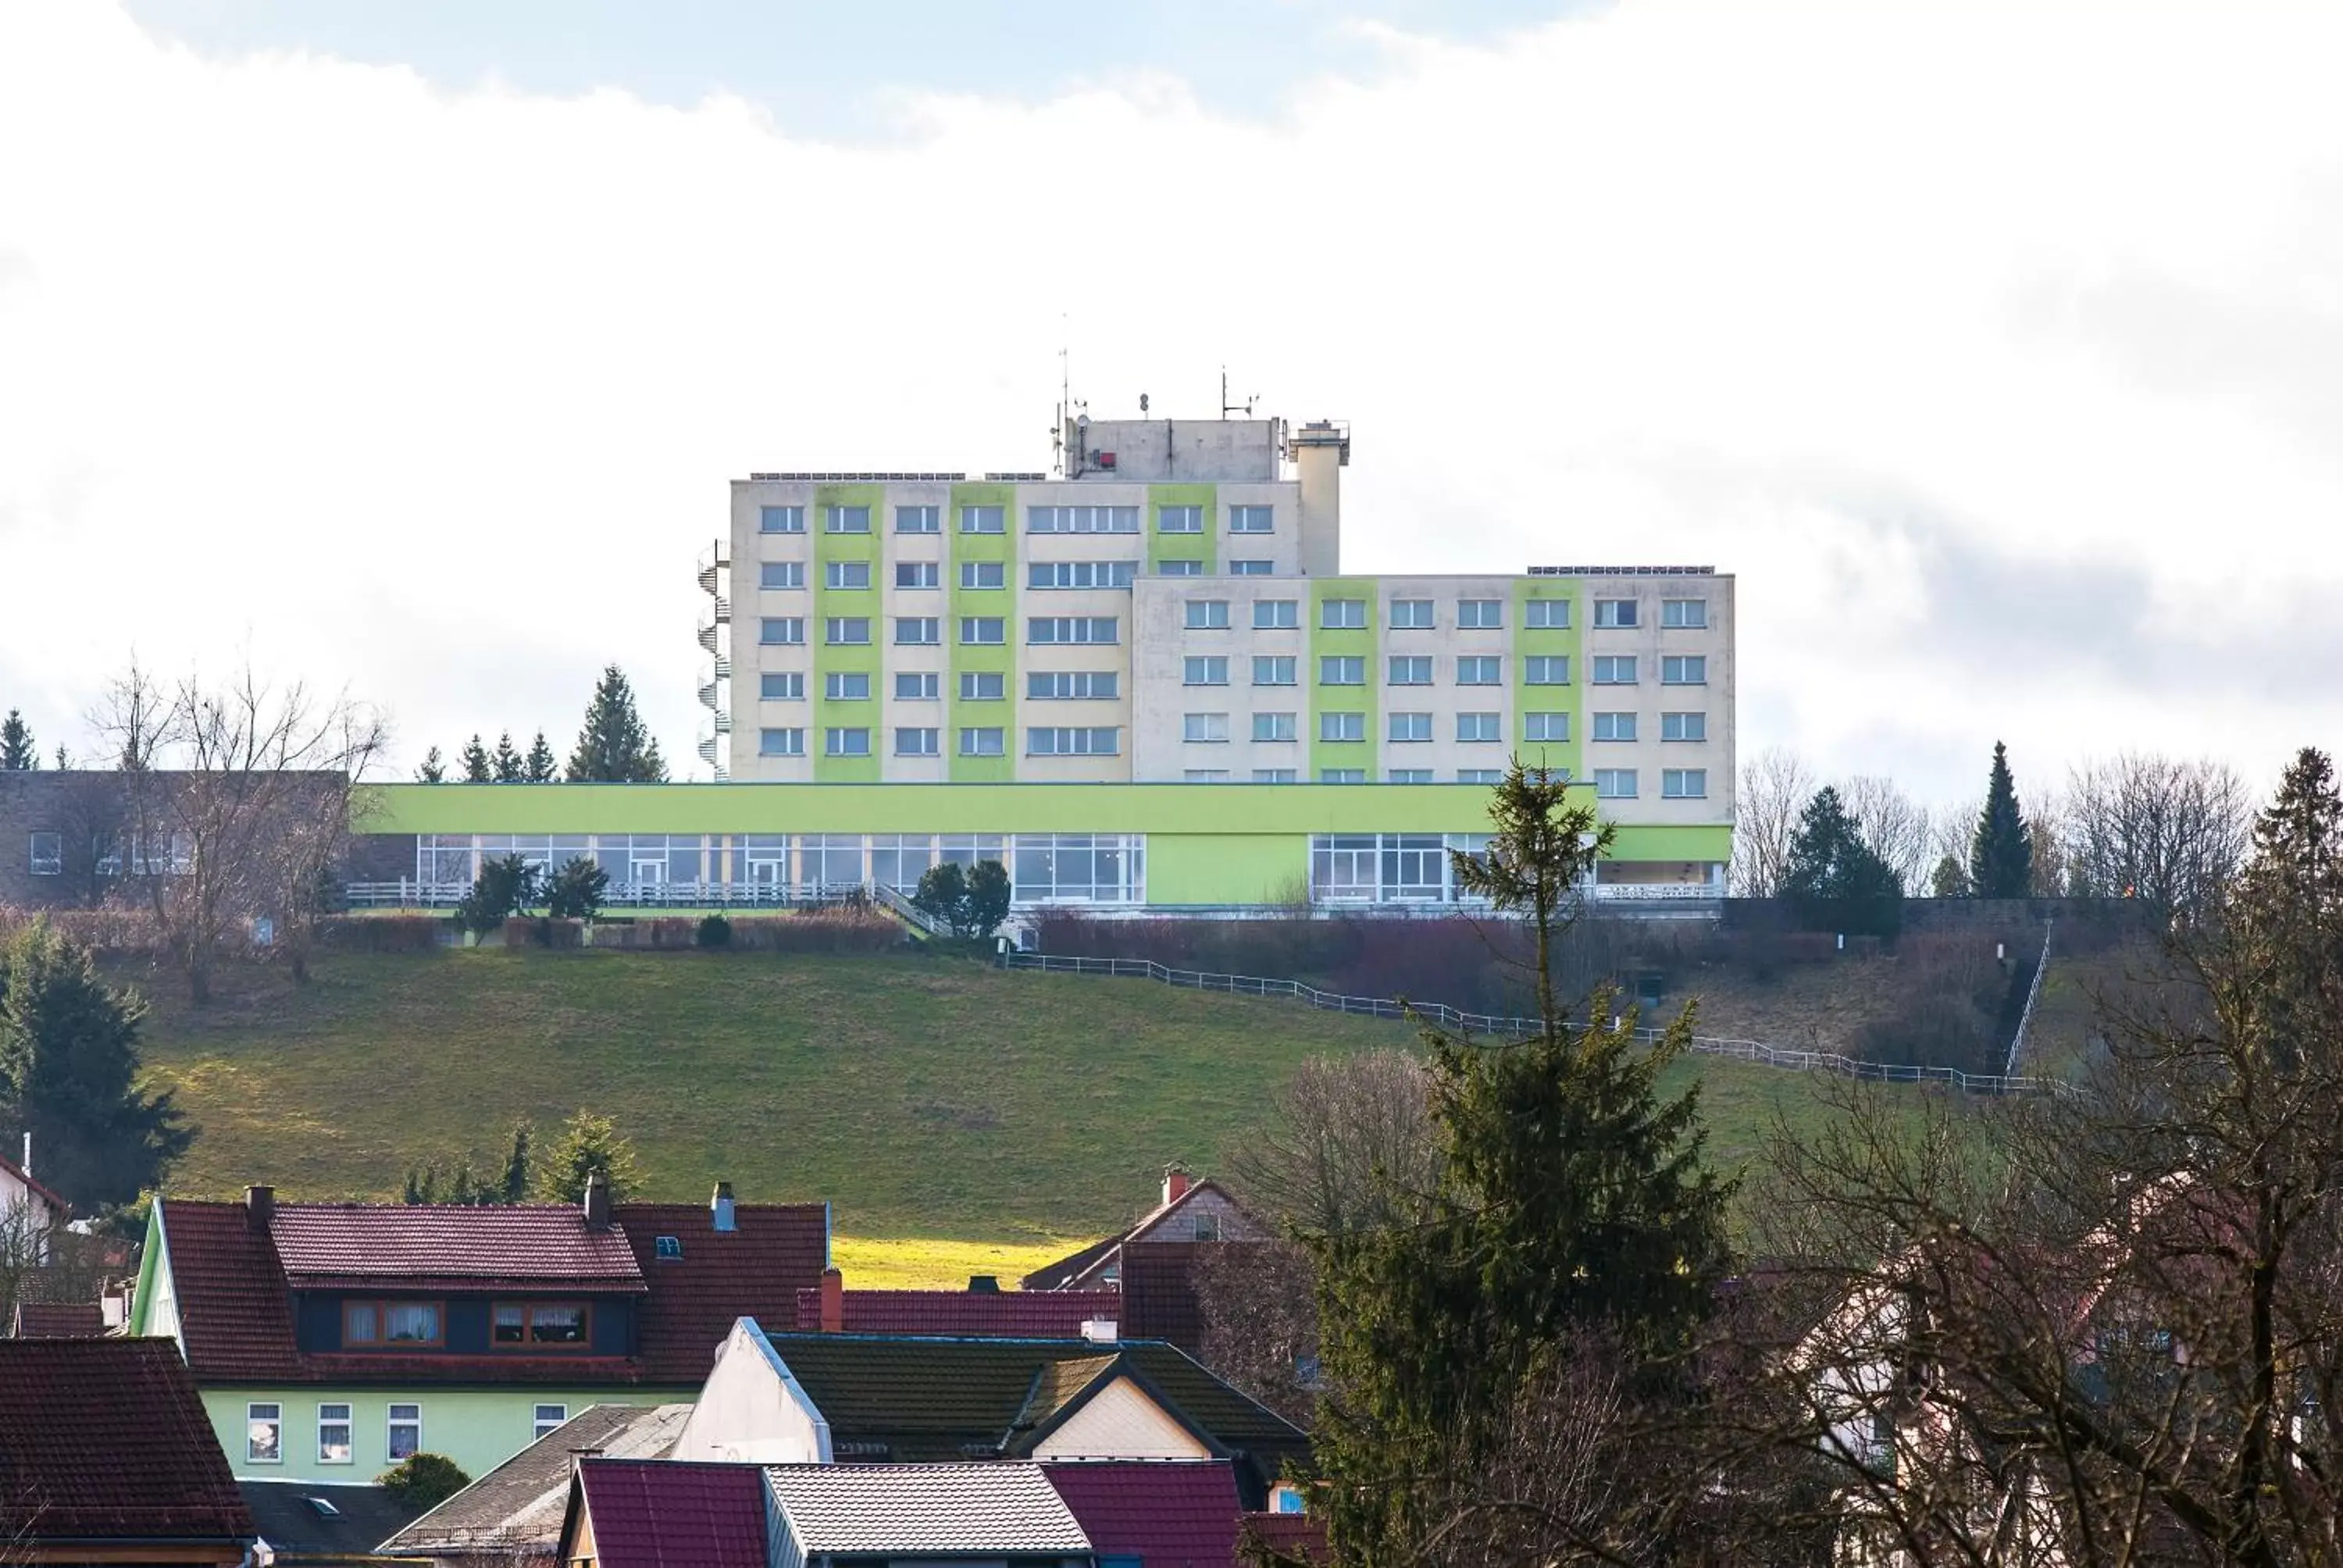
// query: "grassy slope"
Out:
[922,1097]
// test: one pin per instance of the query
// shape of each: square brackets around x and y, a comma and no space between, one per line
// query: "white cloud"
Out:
[1919,319]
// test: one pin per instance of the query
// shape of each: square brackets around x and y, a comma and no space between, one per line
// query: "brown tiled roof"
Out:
[1296,1537]
[517,1506]
[440,1247]
[968,1314]
[753,1271]
[59,1321]
[659,1512]
[236,1310]
[1166,1513]
[108,1439]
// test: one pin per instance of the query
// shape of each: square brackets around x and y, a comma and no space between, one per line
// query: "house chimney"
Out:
[1100,1330]
[833,1302]
[259,1206]
[1175,1185]
[597,1200]
[26,1165]
[719,1207]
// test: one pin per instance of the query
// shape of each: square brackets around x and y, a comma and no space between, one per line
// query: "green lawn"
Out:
[922,1096]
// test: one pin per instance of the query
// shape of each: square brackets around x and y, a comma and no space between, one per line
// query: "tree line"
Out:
[614,747]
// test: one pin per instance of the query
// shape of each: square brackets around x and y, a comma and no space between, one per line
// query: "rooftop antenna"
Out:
[1067,408]
[1228,407]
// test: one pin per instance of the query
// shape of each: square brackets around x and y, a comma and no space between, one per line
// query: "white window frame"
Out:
[1540,669]
[780,519]
[1673,782]
[834,739]
[1179,569]
[972,688]
[1407,776]
[1545,728]
[1333,724]
[1408,729]
[1611,727]
[1606,782]
[791,576]
[1683,615]
[925,741]
[1286,664]
[781,742]
[1480,669]
[1204,669]
[918,631]
[924,685]
[1684,669]
[1616,614]
[979,624]
[781,631]
[274,1421]
[1413,614]
[838,577]
[920,520]
[1614,662]
[1480,615]
[1546,615]
[982,741]
[781,686]
[1337,614]
[1179,519]
[834,687]
[1696,723]
[1073,685]
[1081,519]
[1273,776]
[1203,729]
[1205,615]
[838,631]
[392,1423]
[349,1432]
[1495,724]
[1252,568]
[973,573]
[912,575]
[1342,669]
[1342,776]
[1074,740]
[1402,669]
[543,1426]
[51,864]
[1274,729]
[984,519]
[1073,630]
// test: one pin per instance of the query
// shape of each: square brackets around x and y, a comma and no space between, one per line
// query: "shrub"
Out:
[380,933]
[423,1479]
[715,931]
[831,931]
[504,888]
[576,891]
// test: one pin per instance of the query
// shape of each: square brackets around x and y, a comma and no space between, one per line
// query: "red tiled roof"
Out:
[1158,1286]
[236,1310]
[753,1271]
[108,1439]
[659,1512]
[324,1246]
[1168,1514]
[59,1320]
[1076,1271]
[1300,1536]
[967,1314]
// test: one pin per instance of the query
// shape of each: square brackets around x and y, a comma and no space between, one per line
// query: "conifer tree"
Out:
[475,762]
[506,764]
[1836,883]
[587,1143]
[515,1188]
[2001,856]
[2285,913]
[434,770]
[540,767]
[614,748]
[18,753]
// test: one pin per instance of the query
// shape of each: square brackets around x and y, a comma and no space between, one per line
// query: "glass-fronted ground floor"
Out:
[1158,849]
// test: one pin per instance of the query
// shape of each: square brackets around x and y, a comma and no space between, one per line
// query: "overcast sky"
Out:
[1997,349]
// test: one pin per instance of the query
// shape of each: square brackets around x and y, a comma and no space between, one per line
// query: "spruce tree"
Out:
[540,766]
[19,754]
[434,770]
[614,748]
[506,764]
[2285,911]
[475,762]
[1950,879]
[587,1143]
[1836,881]
[2001,856]
[515,1188]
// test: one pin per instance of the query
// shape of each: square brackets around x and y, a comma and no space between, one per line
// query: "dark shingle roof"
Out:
[968,1314]
[519,1504]
[1300,1536]
[1168,1514]
[322,1246]
[236,1310]
[108,1439]
[288,1516]
[924,1510]
[753,1271]
[59,1321]
[662,1513]
[1159,1292]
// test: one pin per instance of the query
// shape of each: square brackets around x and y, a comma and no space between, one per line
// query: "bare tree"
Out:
[1344,1135]
[1775,786]
[238,798]
[1897,828]
[2159,829]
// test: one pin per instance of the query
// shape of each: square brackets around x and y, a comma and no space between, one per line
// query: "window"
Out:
[1546,615]
[847,686]
[916,742]
[1614,783]
[981,520]
[48,852]
[550,1418]
[1478,726]
[983,686]
[404,1433]
[1272,776]
[1081,519]
[980,575]
[1614,612]
[780,519]
[781,686]
[1614,670]
[1687,614]
[1205,728]
[1094,868]
[1684,783]
[1408,776]
[334,1434]
[780,743]
[1179,569]
[1342,669]
[668,1249]
[980,743]
[1205,776]
[1199,670]
[1249,568]
[915,686]
[846,742]
[1081,573]
[1411,615]
[847,630]
[918,631]
[982,631]
[1070,741]
[1207,614]
[917,519]
[397,1324]
[1272,727]
[1684,726]
[1483,669]
[780,575]
[779,630]
[263,1434]
[1614,727]
[1684,669]
[1342,776]
[1276,614]
[1546,670]
[1479,775]
[1273,669]
[846,519]
[1546,727]
[1480,614]
[1072,684]
[1410,670]
[1061,630]
[1342,614]
[1249,520]
[848,574]
[1179,519]
[1409,727]
[918,575]
[1342,727]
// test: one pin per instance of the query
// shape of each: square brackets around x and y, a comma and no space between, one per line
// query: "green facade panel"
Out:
[828,659]
[1200,547]
[1001,549]
[1357,642]
[1546,642]
[1227,868]
[479,1428]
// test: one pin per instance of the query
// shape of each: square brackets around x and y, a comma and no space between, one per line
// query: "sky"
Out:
[1996,349]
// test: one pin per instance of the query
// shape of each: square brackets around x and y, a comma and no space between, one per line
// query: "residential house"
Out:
[513,1513]
[30,1213]
[983,1310]
[332,1339]
[106,1455]
[1153,1263]
[306,1524]
[1153,1513]
[650,1513]
[58,1320]
[824,1397]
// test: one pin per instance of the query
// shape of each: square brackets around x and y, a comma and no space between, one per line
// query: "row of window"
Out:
[1042,867]
[264,1431]
[927,631]
[1549,728]
[1610,783]
[422,1325]
[147,855]
[1471,669]
[926,685]
[1082,519]
[922,740]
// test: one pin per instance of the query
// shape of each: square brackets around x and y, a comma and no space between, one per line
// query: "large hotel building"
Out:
[1145,683]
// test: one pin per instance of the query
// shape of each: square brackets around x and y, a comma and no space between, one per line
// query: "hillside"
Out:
[922,1097]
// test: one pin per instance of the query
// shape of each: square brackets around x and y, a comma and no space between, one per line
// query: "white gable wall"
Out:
[1119,1422]
[752,1408]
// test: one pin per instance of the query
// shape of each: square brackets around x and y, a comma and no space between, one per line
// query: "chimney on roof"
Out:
[259,1206]
[1175,1185]
[26,1165]
[597,1200]
[1100,1330]
[833,1302]
[719,1207]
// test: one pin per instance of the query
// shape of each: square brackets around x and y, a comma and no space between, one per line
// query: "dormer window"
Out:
[539,1325]
[669,1247]
[393,1325]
